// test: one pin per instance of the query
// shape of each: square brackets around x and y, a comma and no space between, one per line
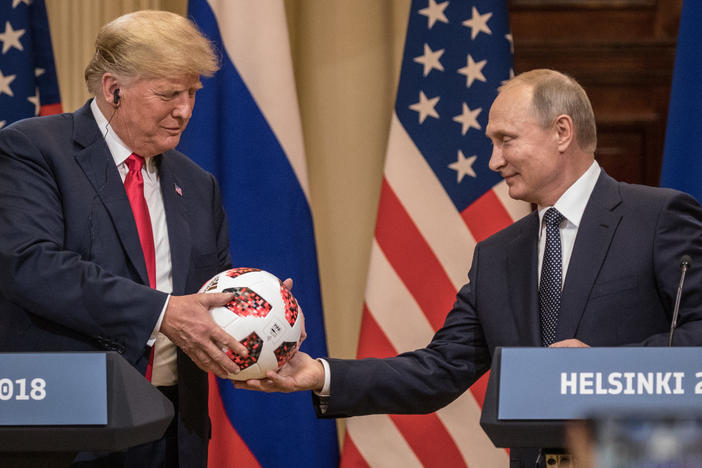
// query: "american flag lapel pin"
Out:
[178,190]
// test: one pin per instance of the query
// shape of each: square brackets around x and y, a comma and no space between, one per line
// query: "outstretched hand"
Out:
[189,325]
[569,343]
[301,372]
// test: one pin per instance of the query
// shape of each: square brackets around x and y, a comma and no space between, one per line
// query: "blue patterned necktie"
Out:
[551,277]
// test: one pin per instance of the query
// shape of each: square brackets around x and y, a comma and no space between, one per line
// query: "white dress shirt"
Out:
[164,366]
[571,205]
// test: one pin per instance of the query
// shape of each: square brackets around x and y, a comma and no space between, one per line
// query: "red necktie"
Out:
[134,185]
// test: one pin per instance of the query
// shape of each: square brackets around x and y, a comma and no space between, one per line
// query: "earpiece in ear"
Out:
[115,98]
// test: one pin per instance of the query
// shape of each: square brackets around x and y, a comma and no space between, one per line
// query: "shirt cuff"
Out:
[326,389]
[154,333]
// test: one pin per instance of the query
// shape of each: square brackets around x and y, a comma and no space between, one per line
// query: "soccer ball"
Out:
[263,316]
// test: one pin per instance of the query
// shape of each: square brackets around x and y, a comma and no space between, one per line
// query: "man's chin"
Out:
[515,192]
[169,143]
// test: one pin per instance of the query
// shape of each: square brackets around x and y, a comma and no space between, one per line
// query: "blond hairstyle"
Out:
[150,44]
[553,94]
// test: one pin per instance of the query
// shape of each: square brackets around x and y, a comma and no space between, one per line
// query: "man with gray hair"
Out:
[596,264]
[106,231]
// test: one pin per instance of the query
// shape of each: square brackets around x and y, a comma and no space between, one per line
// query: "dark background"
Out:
[622,52]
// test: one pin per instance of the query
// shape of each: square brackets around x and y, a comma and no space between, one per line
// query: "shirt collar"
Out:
[119,151]
[572,203]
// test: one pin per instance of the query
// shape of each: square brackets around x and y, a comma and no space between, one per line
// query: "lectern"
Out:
[533,392]
[71,402]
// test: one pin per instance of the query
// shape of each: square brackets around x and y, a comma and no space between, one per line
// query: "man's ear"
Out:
[565,131]
[109,89]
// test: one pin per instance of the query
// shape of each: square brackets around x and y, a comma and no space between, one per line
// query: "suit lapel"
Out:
[98,166]
[597,227]
[522,258]
[174,193]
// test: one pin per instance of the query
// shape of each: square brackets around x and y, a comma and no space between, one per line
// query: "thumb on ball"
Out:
[216,299]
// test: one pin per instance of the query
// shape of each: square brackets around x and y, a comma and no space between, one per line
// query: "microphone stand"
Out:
[685,263]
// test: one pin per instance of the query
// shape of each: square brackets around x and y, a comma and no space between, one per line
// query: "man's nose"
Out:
[184,107]
[496,160]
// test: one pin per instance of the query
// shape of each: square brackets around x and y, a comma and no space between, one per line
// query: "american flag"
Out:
[438,199]
[28,84]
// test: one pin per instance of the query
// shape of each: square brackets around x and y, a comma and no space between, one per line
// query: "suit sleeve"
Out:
[40,274]
[679,232]
[420,381]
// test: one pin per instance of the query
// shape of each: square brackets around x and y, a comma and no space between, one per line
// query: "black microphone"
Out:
[685,263]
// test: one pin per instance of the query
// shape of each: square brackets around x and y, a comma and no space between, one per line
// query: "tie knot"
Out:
[553,217]
[134,162]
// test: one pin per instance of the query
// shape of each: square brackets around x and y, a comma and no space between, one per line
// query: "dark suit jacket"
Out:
[72,273]
[619,289]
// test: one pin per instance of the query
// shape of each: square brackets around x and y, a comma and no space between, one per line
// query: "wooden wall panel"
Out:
[622,52]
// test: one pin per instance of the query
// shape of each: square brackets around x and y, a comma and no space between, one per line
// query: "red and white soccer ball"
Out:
[263,316]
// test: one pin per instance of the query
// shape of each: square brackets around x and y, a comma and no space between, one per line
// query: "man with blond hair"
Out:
[106,231]
[612,281]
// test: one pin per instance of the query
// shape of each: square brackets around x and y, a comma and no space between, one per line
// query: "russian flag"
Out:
[682,161]
[246,130]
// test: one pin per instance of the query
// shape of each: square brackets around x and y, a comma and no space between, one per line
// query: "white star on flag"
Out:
[38,72]
[10,38]
[463,166]
[35,100]
[425,107]
[478,23]
[430,59]
[511,42]
[473,70]
[468,119]
[434,12]
[5,84]
[15,3]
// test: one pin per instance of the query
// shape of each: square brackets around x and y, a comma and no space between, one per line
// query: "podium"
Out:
[533,393]
[71,402]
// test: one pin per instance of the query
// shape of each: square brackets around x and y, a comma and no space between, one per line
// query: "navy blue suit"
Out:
[72,273]
[619,289]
